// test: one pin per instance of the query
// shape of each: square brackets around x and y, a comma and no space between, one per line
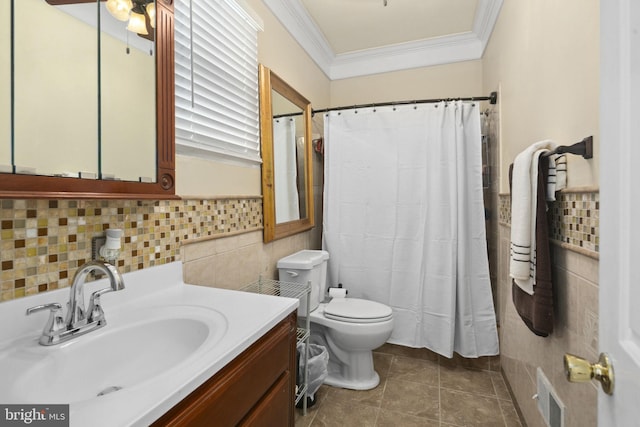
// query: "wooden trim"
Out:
[165,89]
[269,81]
[17,186]
[266,144]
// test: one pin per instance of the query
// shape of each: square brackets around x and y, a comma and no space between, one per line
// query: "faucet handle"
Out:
[95,312]
[54,324]
[53,306]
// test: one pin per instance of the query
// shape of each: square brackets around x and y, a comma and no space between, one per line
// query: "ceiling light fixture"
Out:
[137,23]
[151,12]
[140,14]
[119,9]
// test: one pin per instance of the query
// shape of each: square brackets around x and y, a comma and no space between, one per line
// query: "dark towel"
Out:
[537,310]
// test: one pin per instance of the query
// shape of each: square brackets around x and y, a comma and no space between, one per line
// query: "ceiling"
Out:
[352,38]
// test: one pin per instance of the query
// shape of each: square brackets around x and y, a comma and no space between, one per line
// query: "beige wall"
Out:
[235,261]
[461,79]
[543,57]
[284,56]
[197,177]
[280,52]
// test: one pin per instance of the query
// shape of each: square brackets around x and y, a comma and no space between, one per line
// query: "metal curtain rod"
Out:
[278,116]
[492,98]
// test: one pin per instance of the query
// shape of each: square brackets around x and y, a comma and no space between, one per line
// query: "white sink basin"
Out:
[123,354]
[162,340]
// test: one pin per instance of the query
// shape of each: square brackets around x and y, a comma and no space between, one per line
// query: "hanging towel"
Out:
[557,179]
[536,310]
[524,192]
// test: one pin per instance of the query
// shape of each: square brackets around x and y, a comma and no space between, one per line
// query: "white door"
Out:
[620,209]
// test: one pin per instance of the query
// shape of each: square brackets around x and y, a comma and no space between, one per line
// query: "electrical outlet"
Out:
[96,243]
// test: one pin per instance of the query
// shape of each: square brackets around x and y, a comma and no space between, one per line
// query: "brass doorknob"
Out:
[580,370]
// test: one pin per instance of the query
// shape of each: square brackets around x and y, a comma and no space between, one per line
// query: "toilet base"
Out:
[336,381]
[351,370]
[350,348]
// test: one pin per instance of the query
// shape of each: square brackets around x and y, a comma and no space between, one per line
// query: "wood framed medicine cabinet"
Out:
[162,185]
[287,194]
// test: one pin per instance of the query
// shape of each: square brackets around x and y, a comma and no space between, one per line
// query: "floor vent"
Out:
[549,405]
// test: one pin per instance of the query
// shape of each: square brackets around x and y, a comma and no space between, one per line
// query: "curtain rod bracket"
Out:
[583,148]
[493,98]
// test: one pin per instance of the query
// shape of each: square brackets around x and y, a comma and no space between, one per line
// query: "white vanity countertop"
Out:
[246,317]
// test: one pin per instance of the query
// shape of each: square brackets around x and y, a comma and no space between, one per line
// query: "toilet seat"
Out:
[356,310]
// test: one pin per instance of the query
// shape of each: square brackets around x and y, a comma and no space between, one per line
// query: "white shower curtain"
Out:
[404,221]
[285,167]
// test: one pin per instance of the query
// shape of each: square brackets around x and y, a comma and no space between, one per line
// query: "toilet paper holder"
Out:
[338,292]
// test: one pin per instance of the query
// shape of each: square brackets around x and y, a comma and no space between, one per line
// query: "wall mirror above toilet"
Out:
[285,139]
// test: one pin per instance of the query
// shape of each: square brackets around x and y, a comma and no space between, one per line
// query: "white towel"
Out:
[524,190]
[557,179]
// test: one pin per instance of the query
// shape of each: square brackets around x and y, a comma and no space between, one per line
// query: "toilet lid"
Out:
[357,310]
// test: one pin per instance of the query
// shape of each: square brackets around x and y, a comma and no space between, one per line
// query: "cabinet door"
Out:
[55,89]
[273,409]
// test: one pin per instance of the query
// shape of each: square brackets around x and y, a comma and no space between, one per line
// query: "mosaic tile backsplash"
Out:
[575,218]
[43,242]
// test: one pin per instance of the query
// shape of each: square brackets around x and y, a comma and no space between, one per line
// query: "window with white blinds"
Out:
[216,58]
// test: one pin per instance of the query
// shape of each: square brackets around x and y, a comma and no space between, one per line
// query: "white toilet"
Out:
[348,327]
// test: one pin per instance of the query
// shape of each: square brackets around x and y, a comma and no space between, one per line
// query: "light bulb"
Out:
[151,11]
[137,23]
[119,9]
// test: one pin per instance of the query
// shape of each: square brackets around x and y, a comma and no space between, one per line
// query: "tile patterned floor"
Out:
[419,388]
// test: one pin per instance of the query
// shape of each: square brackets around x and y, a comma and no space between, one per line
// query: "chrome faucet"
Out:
[78,320]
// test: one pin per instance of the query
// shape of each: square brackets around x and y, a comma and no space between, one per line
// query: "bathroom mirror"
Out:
[285,139]
[88,104]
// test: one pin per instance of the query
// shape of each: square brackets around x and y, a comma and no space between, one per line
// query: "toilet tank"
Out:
[302,267]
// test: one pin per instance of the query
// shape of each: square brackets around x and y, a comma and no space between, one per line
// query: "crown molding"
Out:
[295,18]
[421,53]
[485,19]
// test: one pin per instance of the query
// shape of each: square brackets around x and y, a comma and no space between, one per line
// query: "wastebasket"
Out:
[317,370]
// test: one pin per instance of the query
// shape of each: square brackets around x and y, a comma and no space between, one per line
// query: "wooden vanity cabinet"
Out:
[257,388]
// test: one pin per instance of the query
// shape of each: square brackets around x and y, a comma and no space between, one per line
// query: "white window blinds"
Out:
[216,51]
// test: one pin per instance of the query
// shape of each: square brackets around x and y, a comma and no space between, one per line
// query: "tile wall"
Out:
[234,261]
[43,242]
[575,244]
[575,219]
